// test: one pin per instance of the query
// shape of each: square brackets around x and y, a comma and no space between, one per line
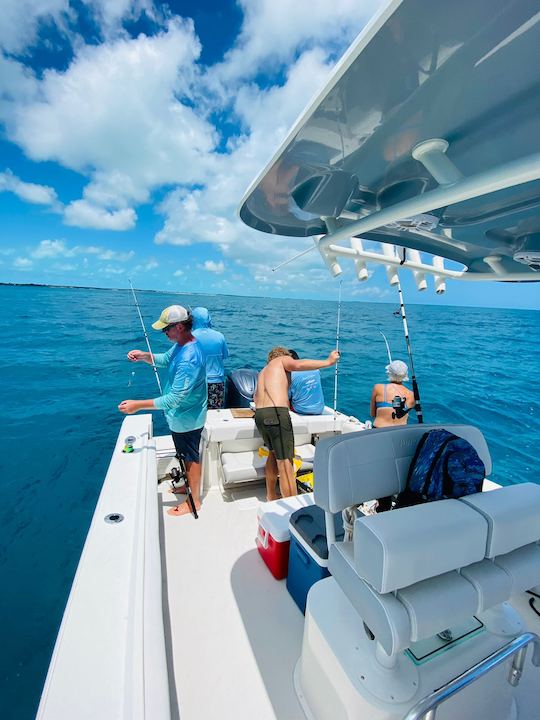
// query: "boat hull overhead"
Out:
[464,74]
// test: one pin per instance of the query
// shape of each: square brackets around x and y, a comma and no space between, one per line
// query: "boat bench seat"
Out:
[413,572]
[244,466]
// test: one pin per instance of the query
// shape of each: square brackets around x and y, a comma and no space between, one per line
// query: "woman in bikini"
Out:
[383,393]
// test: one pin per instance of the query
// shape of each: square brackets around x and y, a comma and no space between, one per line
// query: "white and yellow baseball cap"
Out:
[171,314]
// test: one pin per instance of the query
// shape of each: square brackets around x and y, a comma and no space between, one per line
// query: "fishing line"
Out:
[336,372]
[416,392]
[387,347]
[146,337]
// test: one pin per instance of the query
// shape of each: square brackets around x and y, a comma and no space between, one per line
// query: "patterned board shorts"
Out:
[215,395]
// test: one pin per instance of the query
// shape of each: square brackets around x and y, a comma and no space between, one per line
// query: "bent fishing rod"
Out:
[146,338]
[416,392]
[336,371]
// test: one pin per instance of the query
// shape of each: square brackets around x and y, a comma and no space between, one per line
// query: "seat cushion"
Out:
[249,465]
[242,466]
[492,584]
[512,514]
[385,616]
[523,567]
[402,547]
[434,604]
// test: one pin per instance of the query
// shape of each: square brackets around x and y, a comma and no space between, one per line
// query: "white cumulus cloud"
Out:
[83,214]
[22,263]
[30,192]
[214,267]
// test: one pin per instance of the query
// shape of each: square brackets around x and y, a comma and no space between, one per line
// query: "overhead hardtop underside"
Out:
[463,73]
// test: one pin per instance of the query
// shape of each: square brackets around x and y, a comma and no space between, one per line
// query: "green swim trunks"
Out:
[275,426]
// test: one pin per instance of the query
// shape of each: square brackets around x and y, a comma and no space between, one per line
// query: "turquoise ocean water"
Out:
[63,371]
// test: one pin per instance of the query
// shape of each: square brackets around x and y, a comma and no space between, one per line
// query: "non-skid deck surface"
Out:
[236,633]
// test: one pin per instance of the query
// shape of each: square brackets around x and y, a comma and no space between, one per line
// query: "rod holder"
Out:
[432,155]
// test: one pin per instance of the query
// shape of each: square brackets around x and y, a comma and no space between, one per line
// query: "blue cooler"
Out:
[308,552]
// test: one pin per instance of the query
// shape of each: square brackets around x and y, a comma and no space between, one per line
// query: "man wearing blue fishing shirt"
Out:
[305,391]
[185,397]
[215,351]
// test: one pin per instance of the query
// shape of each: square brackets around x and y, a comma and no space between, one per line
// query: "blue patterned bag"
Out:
[444,466]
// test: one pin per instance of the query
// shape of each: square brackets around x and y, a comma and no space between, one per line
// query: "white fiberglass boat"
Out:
[426,138]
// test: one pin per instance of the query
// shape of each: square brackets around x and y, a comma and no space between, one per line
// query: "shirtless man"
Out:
[272,416]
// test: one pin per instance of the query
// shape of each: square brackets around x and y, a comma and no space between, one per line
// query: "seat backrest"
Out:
[351,469]
[395,549]
[512,514]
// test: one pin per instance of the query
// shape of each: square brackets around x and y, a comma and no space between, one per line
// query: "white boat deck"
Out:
[233,632]
[236,633]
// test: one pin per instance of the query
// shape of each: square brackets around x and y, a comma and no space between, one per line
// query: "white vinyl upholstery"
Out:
[492,584]
[351,469]
[396,549]
[413,572]
[249,465]
[431,603]
[523,567]
[384,614]
[501,507]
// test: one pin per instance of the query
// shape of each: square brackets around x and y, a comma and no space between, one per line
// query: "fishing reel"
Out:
[398,407]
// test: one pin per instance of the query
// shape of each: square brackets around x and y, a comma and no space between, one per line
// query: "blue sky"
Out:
[130,129]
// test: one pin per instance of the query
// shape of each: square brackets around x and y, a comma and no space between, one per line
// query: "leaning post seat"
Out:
[352,469]
[408,575]
[413,572]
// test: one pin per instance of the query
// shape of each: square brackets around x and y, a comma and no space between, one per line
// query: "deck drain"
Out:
[114,518]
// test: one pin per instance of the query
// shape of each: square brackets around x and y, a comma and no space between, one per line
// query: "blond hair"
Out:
[276,352]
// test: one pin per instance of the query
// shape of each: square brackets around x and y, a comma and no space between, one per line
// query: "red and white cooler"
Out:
[273,536]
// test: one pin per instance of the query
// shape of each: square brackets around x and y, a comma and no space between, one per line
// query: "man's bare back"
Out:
[273,385]
[274,379]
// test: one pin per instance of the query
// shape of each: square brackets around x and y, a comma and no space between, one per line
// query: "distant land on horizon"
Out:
[268,297]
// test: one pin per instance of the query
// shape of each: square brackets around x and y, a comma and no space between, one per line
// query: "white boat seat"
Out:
[244,466]
[413,572]
[416,552]
[434,604]
[513,517]
[501,508]
[523,567]
[492,584]
[399,548]
[354,468]
[384,614]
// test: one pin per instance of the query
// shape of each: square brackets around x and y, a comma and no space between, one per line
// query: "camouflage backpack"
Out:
[444,466]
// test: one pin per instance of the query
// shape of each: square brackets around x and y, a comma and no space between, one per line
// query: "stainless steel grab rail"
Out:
[426,708]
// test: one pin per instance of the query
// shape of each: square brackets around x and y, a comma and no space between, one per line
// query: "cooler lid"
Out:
[310,527]
[274,516]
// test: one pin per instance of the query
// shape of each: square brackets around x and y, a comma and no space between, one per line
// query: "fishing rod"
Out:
[387,347]
[336,372]
[416,392]
[146,337]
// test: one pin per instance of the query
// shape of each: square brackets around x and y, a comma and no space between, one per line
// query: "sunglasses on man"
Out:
[169,327]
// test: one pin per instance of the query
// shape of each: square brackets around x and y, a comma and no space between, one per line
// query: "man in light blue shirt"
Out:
[185,396]
[215,351]
[305,391]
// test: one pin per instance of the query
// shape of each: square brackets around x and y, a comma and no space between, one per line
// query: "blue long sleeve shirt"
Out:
[306,393]
[213,345]
[184,401]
